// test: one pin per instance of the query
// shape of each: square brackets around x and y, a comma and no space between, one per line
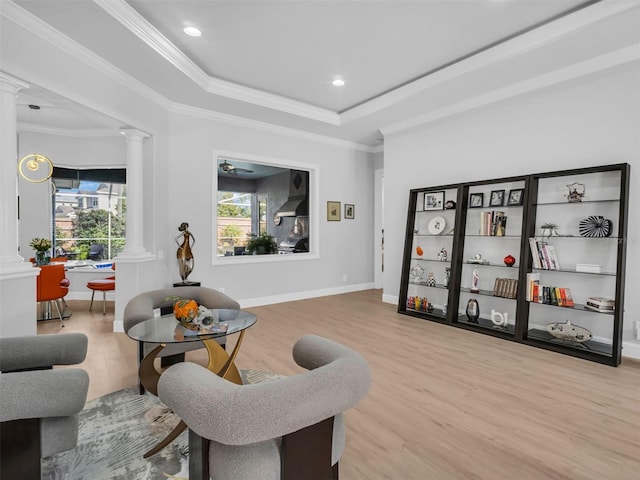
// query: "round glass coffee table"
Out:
[165,329]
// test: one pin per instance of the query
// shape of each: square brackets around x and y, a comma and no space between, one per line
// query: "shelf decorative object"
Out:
[475,280]
[417,273]
[419,251]
[549,229]
[596,226]
[473,310]
[437,225]
[431,281]
[447,277]
[569,332]
[576,192]
[509,260]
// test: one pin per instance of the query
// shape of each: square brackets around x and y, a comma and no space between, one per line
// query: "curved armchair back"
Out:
[141,307]
[40,404]
[243,415]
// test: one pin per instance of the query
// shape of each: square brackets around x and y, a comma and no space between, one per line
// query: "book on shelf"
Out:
[569,297]
[543,255]
[551,256]
[505,287]
[558,296]
[493,223]
[534,253]
[533,282]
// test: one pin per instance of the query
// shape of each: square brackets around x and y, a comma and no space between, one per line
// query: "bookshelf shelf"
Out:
[539,199]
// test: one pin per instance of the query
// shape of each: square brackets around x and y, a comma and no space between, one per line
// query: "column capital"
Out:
[134,134]
[9,84]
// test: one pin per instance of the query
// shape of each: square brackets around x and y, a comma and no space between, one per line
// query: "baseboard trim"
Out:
[631,349]
[386,298]
[291,297]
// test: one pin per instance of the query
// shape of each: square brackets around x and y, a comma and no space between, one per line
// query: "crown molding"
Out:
[68,132]
[577,70]
[139,26]
[272,101]
[267,127]
[45,31]
[136,23]
[516,46]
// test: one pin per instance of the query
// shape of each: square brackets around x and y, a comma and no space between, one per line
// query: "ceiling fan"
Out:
[230,169]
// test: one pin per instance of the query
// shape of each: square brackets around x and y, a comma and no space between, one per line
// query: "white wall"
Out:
[591,121]
[346,175]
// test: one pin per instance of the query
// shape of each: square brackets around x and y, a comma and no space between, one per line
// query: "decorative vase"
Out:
[447,277]
[473,310]
[509,260]
[42,258]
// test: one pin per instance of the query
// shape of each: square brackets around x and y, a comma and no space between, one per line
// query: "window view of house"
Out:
[261,208]
[89,218]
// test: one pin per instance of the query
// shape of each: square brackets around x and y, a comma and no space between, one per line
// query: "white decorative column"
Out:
[135,207]
[135,266]
[17,278]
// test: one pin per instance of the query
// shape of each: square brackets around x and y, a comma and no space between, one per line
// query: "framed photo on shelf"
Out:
[515,196]
[476,200]
[333,211]
[434,200]
[349,211]
[497,198]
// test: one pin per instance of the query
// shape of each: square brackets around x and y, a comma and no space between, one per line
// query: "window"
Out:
[89,213]
[234,221]
[255,196]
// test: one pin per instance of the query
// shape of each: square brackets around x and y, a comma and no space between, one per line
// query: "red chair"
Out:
[52,285]
[103,285]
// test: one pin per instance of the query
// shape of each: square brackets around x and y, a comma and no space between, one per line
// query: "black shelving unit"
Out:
[604,192]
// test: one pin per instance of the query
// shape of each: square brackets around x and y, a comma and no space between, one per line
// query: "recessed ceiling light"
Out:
[338,82]
[192,31]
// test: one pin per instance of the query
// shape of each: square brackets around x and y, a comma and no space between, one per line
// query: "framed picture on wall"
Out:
[434,200]
[333,211]
[349,211]
[476,200]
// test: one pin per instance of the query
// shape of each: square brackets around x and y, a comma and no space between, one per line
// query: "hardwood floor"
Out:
[444,404]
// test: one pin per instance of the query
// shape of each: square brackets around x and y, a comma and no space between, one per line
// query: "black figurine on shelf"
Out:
[473,310]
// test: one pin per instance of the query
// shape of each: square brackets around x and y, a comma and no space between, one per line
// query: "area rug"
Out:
[113,434]
[117,429]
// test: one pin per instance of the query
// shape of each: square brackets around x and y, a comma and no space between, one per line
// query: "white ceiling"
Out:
[273,61]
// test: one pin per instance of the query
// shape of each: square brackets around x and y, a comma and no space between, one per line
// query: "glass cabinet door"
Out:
[491,256]
[429,249]
[574,284]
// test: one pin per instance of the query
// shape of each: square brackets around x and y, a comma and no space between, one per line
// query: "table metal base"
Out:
[220,363]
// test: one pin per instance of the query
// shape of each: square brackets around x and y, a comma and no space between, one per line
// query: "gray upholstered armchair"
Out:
[38,404]
[141,308]
[288,428]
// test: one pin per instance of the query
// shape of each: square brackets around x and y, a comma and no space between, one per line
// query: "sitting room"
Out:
[319,240]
